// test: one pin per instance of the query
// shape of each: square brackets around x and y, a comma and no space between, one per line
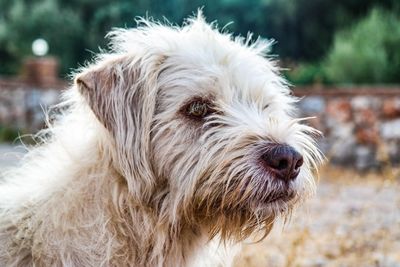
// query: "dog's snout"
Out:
[283,161]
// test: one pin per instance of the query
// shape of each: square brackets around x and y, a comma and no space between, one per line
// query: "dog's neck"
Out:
[161,241]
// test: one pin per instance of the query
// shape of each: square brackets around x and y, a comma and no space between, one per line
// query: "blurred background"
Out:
[343,58]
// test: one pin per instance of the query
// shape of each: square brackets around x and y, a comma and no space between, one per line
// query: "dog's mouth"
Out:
[276,194]
[280,197]
[270,193]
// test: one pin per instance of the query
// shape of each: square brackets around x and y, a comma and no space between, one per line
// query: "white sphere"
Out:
[40,47]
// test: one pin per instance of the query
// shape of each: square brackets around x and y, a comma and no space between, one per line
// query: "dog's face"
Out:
[203,126]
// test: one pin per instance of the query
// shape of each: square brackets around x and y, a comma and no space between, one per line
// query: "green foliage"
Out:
[304,74]
[74,29]
[368,52]
[8,134]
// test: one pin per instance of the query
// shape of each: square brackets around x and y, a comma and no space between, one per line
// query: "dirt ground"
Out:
[353,221]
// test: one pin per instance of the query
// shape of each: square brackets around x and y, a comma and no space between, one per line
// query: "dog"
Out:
[168,150]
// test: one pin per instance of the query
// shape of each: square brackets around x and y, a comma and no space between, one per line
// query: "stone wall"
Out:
[22,105]
[361,126]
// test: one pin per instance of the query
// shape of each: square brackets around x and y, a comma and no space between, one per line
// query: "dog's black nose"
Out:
[283,161]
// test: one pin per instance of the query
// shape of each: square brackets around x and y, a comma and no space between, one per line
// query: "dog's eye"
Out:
[198,109]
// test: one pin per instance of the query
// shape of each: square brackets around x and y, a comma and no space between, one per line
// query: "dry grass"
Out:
[353,221]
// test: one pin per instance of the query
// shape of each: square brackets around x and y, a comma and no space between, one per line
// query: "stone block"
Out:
[367,117]
[367,135]
[312,105]
[391,108]
[365,102]
[390,129]
[365,158]
[339,109]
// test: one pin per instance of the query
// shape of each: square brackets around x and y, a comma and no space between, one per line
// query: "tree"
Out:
[367,52]
[304,29]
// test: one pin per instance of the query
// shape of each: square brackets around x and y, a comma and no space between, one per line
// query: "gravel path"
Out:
[349,223]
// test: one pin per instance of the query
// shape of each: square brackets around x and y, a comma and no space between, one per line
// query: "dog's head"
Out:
[203,126]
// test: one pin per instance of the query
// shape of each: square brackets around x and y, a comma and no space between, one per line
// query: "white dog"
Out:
[169,150]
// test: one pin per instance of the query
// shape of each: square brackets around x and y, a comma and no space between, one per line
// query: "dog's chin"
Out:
[284,197]
[254,214]
[278,202]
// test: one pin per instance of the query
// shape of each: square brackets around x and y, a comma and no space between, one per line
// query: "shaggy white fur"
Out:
[155,156]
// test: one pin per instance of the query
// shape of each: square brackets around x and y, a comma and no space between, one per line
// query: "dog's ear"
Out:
[99,85]
[122,94]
